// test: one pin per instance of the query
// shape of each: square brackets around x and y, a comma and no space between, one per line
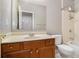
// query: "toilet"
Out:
[64,50]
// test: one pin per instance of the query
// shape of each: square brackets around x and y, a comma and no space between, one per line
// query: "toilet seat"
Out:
[65,49]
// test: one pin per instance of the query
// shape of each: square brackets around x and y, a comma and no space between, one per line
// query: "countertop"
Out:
[21,38]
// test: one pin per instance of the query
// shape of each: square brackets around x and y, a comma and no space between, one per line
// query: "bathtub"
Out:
[75,46]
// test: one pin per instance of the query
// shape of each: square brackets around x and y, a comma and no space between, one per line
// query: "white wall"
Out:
[0,17]
[76,5]
[39,2]
[54,17]
[6,15]
[0,27]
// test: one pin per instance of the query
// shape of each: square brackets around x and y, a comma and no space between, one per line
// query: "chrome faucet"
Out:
[31,34]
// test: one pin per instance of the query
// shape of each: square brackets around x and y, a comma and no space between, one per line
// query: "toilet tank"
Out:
[58,39]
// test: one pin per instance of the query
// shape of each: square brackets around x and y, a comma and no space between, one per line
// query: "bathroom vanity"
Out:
[38,48]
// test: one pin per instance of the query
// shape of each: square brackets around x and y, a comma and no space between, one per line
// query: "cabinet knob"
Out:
[11,47]
[50,42]
[37,51]
[31,52]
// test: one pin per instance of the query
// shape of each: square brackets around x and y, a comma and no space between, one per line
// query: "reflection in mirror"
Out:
[26,21]
[30,17]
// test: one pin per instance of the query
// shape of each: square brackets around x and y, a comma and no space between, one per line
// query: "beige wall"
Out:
[76,21]
[54,17]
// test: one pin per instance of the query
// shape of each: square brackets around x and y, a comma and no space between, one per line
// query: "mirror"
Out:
[30,16]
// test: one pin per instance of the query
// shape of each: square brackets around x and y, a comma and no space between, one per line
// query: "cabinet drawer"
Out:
[18,54]
[10,47]
[34,44]
[50,42]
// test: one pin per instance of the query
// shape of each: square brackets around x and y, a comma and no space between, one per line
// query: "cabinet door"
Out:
[18,54]
[46,52]
[10,47]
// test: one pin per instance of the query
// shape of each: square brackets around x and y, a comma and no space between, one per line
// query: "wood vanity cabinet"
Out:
[29,49]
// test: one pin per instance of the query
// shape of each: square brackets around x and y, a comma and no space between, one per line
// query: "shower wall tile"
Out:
[67,26]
